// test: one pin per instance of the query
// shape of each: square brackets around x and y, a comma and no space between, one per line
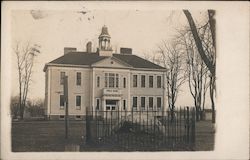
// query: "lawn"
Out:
[38,136]
[45,135]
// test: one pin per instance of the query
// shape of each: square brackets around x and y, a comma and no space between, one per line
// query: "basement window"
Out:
[61,117]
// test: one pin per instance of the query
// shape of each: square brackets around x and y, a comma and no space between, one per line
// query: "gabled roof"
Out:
[78,58]
[84,58]
[137,62]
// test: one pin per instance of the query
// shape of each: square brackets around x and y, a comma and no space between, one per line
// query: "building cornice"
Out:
[149,69]
[64,65]
[88,66]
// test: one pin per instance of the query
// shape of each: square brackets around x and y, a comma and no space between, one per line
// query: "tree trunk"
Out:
[172,115]
[21,112]
[212,85]
[198,42]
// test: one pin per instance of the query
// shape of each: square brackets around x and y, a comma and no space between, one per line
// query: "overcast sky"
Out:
[139,29]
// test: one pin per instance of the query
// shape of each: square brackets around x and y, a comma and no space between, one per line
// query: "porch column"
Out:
[119,105]
[103,104]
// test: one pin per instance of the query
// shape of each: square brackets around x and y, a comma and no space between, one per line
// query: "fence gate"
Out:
[147,130]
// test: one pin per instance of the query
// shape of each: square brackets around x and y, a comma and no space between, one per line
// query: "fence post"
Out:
[88,132]
[140,117]
[111,124]
[147,118]
[119,125]
[132,114]
[168,138]
[188,124]
[180,125]
[193,125]
[106,125]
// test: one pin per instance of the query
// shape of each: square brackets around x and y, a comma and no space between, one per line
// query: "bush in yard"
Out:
[14,107]
[36,108]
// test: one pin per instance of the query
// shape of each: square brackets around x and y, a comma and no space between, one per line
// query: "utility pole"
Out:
[65,93]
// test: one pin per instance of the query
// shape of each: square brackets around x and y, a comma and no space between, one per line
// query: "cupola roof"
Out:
[104,32]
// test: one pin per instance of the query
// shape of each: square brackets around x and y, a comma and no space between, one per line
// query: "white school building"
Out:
[103,80]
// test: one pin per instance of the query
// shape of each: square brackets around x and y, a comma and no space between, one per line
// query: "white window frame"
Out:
[61,117]
[149,107]
[152,81]
[124,82]
[124,107]
[78,117]
[144,81]
[135,86]
[78,107]
[157,81]
[61,107]
[136,102]
[98,81]
[80,79]
[144,108]
[157,102]
[116,80]
[61,78]
[98,99]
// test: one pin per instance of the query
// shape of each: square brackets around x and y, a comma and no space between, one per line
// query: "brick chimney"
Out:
[126,50]
[69,49]
[89,47]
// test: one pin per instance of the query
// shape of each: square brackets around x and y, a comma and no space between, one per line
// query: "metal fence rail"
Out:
[148,130]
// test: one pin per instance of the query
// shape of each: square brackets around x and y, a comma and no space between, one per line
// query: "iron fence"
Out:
[145,130]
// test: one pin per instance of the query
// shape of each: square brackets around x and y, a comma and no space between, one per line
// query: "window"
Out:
[151,81]
[78,117]
[116,80]
[111,80]
[61,117]
[134,102]
[78,78]
[142,81]
[62,75]
[134,80]
[97,103]
[124,82]
[78,102]
[124,104]
[61,101]
[106,79]
[143,103]
[150,102]
[159,102]
[98,81]
[158,81]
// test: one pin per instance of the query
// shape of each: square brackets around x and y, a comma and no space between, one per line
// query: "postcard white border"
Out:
[232,138]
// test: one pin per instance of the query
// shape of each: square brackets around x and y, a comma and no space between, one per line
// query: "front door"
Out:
[111,108]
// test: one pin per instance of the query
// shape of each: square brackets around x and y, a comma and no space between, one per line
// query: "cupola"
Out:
[105,48]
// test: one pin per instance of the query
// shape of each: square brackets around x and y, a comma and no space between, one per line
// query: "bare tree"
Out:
[25,55]
[197,74]
[153,57]
[36,107]
[206,49]
[173,59]
[14,104]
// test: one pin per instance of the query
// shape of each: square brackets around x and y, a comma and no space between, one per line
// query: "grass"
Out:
[46,136]
[49,136]
[205,136]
